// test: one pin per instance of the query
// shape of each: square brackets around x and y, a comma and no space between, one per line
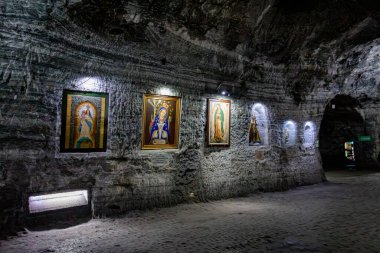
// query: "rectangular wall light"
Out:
[56,201]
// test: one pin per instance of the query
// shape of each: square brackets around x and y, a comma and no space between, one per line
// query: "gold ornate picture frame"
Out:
[161,122]
[84,122]
[218,122]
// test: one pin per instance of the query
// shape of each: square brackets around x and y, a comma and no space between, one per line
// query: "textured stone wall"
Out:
[44,51]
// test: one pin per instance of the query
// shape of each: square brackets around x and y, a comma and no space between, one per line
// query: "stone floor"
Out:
[342,215]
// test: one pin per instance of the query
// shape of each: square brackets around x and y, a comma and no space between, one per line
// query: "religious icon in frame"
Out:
[161,121]
[254,134]
[218,122]
[84,121]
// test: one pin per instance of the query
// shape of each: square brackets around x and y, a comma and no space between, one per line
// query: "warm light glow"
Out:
[50,202]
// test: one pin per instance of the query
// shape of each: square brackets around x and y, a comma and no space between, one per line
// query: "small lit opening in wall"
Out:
[309,134]
[56,201]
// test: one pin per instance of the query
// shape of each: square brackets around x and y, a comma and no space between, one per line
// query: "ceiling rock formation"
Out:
[301,35]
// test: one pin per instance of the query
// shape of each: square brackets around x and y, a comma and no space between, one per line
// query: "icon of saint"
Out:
[286,136]
[254,135]
[85,129]
[218,124]
[159,126]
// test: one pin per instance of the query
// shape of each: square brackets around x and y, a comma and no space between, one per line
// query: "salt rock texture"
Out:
[291,56]
[330,217]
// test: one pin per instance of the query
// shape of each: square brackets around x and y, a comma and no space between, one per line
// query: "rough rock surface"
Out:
[330,217]
[291,56]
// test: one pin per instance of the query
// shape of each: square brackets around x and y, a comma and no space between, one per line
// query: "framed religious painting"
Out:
[84,121]
[218,122]
[161,121]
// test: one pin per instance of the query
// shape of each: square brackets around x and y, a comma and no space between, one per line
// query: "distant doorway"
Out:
[341,123]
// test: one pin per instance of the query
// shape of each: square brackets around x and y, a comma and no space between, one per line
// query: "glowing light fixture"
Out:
[88,83]
[224,93]
[165,91]
[56,201]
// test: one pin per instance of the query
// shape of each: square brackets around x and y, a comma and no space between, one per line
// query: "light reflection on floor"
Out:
[338,216]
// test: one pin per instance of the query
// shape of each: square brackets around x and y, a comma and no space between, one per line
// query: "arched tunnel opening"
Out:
[339,134]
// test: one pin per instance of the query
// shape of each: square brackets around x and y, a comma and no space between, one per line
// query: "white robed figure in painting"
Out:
[85,129]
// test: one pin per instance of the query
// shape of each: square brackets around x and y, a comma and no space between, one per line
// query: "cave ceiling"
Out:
[278,29]
[298,34]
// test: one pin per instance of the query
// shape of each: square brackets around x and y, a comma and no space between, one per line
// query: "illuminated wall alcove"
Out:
[260,113]
[289,133]
[309,134]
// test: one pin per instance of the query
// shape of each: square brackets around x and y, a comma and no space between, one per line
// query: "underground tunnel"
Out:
[341,124]
[115,110]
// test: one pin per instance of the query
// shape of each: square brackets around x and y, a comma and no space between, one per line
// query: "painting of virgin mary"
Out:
[159,128]
[161,118]
[85,125]
[218,124]
[219,115]
[84,121]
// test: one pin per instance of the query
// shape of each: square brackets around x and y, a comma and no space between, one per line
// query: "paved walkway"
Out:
[340,216]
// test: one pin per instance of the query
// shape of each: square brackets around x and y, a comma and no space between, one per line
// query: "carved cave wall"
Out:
[43,53]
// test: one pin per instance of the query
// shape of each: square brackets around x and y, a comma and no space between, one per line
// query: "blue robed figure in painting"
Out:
[159,127]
